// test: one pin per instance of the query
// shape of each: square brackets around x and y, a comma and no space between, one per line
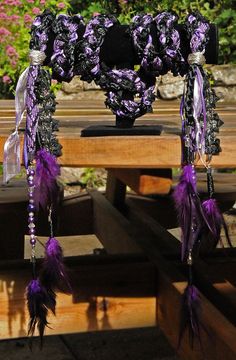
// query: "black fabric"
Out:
[108,130]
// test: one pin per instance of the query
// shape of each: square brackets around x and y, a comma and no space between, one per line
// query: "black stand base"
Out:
[108,130]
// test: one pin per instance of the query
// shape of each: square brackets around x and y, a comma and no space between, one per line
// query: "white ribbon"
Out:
[11,162]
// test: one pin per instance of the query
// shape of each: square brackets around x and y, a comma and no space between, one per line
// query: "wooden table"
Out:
[145,151]
[124,227]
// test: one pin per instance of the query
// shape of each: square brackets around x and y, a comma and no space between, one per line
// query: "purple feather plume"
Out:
[47,170]
[53,274]
[190,314]
[39,302]
[190,214]
[216,222]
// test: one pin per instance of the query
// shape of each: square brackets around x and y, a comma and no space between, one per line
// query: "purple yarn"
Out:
[116,83]
[31,115]
[63,59]
[140,29]
[169,42]
[39,32]
[198,28]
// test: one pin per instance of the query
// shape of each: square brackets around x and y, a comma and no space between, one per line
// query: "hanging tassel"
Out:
[190,314]
[214,216]
[53,275]
[190,214]
[216,222]
[47,170]
[191,309]
[40,302]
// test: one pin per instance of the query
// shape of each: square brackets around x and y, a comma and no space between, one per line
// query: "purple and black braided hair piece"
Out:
[169,43]
[200,222]
[65,30]
[41,149]
[140,30]
[116,82]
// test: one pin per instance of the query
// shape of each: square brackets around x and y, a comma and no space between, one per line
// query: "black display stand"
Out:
[109,130]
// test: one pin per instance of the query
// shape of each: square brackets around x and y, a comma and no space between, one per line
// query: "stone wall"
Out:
[168,87]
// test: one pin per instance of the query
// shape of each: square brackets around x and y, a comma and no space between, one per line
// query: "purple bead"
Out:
[31,231]
[31,195]
[31,219]
[31,207]
[33,240]
[31,172]
[30,183]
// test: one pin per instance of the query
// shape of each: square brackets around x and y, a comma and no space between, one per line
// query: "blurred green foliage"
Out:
[16,17]
[90,178]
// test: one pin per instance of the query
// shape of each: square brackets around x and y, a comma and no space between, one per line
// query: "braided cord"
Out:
[169,43]
[39,38]
[116,83]
[204,123]
[63,59]
[140,30]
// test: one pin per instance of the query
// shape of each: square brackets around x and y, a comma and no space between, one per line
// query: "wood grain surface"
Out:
[124,151]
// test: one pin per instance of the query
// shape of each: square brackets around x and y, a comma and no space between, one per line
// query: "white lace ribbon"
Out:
[11,161]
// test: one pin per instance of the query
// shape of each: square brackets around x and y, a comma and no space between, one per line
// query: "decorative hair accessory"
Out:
[118,84]
[65,29]
[41,149]
[199,222]
[140,30]
[169,44]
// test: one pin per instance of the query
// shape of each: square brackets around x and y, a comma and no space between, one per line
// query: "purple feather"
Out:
[53,274]
[190,314]
[216,222]
[190,214]
[39,302]
[47,170]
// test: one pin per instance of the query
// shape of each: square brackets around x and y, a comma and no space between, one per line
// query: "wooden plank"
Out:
[116,152]
[124,151]
[115,190]
[118,295]
[144,181]
[159,105]
[75,215]
[111,228]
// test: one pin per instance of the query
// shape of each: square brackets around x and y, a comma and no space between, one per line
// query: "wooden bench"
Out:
[152,280]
